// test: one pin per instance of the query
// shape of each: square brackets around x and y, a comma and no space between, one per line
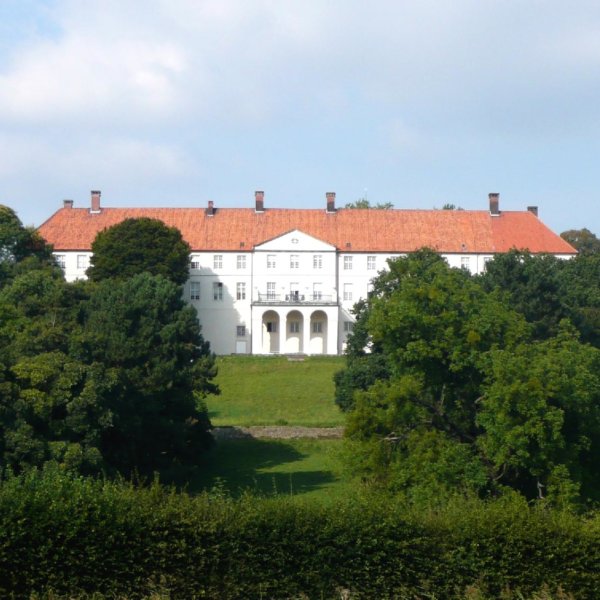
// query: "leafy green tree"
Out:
[21,248]
[580,295]
[583,240]
[43,390]
[148,342]
[541,415]
[364,203]
[533,286]
[141,245]
[437,323]
[433,328]
[101,376]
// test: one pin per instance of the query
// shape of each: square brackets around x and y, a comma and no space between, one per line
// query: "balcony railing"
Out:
[296,298]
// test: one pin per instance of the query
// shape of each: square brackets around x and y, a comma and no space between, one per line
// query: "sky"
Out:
[172,103]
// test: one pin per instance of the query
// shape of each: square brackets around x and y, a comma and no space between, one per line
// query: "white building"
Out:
[285,280]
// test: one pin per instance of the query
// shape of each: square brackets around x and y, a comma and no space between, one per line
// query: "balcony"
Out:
[296,299]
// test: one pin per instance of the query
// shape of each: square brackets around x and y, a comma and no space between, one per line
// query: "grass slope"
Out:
[271,390]
[308,467]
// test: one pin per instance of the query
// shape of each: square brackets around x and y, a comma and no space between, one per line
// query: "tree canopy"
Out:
[21,247]
[583,240]
[364,203]
[104,376]
[468,395]
[137,246]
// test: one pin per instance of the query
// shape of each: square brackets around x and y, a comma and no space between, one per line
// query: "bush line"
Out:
[77,536]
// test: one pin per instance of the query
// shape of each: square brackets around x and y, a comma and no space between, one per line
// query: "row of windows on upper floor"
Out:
[83,261]
[295,262]
[317,262]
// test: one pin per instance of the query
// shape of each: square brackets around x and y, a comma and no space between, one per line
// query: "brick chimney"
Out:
[330,202]
[533,209]
[210,211]
[95,202]
[259,198]
[67,203]
[494,204]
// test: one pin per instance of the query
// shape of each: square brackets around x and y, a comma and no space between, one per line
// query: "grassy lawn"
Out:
[270,390]
[311,468]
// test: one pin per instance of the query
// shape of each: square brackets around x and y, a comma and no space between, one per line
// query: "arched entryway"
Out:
[294,332]
[318,332]
[270,332]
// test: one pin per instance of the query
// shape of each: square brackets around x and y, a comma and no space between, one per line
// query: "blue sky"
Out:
[177,102]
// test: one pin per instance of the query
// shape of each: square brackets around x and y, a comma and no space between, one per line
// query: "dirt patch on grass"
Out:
[277,432]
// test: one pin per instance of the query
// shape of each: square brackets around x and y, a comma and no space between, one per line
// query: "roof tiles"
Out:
[367,230]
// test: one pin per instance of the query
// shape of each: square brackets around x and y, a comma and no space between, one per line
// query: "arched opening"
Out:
[270,332]
[294,332]
[318,332]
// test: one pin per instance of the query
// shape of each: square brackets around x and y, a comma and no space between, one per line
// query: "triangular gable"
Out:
[295,240]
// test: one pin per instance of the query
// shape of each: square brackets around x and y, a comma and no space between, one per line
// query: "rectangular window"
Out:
[271,261]
[317,261]
[217,290]
[195,290]
[218,261]
[294,326]
[195,263]
[60,260]
[347,291]
[347,263]
[82,261]
[317,292]
[371,263]
[270,290]
[294,261]
[272,326]
[240,290]
[317,327]
[464,262]
[241,331]
[486,260]
[348,326]
[241,261]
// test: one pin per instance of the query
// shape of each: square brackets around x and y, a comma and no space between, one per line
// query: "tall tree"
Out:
[532,284]
[541,415]
[148,342]
[364,203]
[580,295]
[107,375]
[44,390]
[141,245]
[583,240]
[21,247]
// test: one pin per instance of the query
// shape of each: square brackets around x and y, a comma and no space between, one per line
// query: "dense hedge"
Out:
[77,536]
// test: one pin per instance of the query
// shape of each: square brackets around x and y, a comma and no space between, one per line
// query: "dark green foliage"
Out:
[101,376]
[361,373]
[532,284]
[141,245]
[541,416]
[77,536]
[364,203]
[21,248]
[580,293]
[148,343]
[583,240]
[468,400]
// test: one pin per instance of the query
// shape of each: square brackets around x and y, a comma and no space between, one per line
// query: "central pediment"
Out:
[295,240]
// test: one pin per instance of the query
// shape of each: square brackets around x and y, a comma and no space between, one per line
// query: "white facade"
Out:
[292,294]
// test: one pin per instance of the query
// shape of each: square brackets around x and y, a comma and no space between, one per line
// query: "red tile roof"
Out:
[367,230]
